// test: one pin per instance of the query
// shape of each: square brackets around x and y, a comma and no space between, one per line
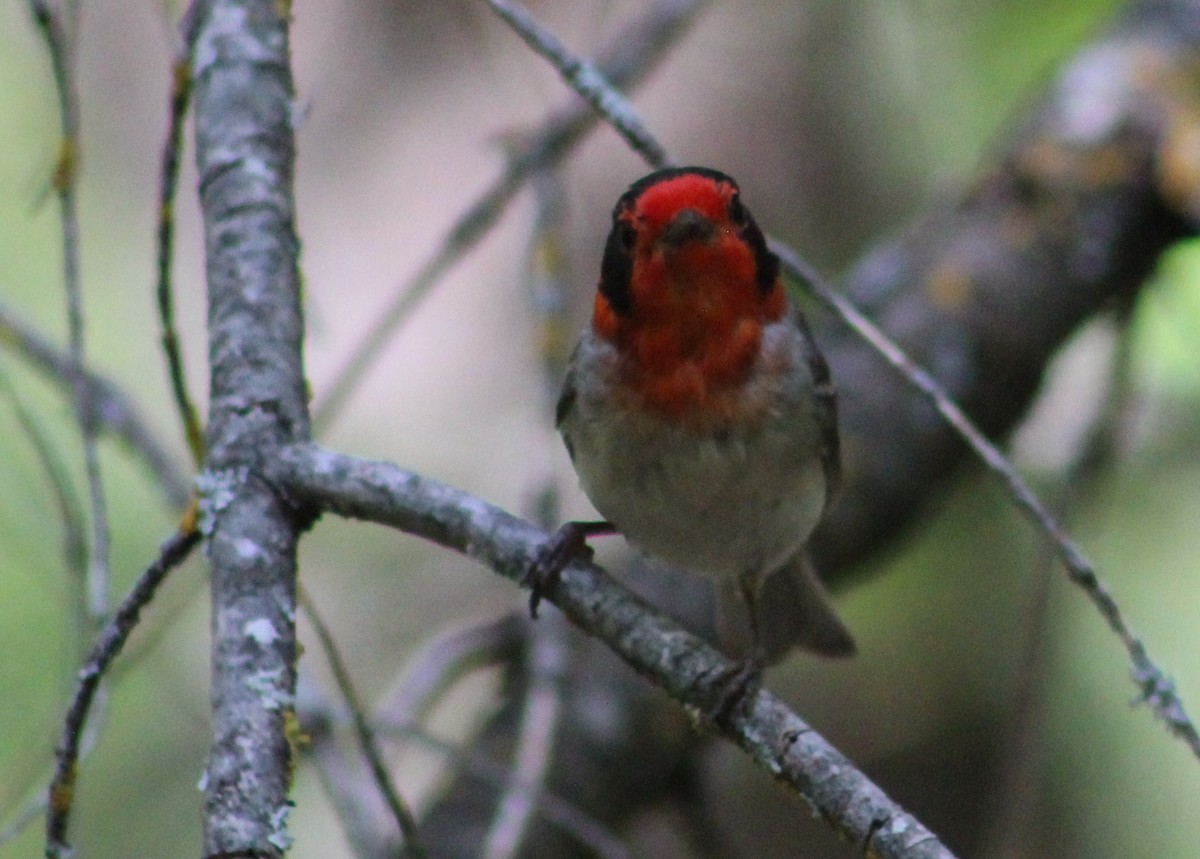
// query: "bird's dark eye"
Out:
[737,212]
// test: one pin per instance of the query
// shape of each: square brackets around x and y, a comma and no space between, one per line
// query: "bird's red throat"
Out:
[696,329]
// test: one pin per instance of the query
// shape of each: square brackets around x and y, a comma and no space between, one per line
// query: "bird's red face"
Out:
[686,285]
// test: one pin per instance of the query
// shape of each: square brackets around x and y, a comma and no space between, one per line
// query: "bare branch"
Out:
[114,411]
[403,817]
[586,79]
[446,659]
[1156,688]
[687,668]
[245,148]
[547,656]
[106,649]
[66,176]
[180,98]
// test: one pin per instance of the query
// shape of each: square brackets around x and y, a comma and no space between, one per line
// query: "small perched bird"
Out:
[699,414]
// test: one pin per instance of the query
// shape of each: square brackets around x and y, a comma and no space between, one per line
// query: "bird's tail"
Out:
[788,608]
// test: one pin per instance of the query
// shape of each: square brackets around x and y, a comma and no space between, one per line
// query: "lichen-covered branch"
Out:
[692,672]
[245,153]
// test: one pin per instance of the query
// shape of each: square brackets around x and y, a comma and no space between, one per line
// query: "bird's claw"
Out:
[732,687]
[568,544]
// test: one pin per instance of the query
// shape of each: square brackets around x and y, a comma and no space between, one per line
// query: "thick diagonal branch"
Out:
[692,672]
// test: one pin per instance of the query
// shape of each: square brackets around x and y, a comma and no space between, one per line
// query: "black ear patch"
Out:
[616,269]
[766,264]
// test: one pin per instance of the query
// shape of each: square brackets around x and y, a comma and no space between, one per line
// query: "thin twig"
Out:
[1013,797]
[70,511]
[351,790]
[587,830]
[353,793]
[107,647]
[546,666]
[66,176]
[458,651]
[445,660]
[690,670]
[547,653]
[114,411]
[585,78]
[403,816]
[180,98]
[1155,687]
[626,61]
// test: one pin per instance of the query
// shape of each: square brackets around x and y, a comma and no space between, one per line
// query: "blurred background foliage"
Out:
[840,119]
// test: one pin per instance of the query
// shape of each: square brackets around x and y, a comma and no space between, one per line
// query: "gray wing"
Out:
[566,401]
[824,412]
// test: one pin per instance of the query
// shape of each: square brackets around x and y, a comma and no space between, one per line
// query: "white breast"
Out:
[719,503]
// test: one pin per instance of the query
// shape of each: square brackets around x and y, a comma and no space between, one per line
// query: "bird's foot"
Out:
[733,687]
[569,543]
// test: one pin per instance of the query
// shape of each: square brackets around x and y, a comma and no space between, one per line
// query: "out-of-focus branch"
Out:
[1012,801]
[70,511]
[692,672]
[114,411]
[547,659]
[539,683]
[351,790]
[633,53]
[446,659]
[245,151]
[180,98]
[575,825]
[366,821]
[402,816]
[65,181]
[1069,216]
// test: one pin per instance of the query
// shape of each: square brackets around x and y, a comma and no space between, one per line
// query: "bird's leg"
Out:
[744,677]
[568,544]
